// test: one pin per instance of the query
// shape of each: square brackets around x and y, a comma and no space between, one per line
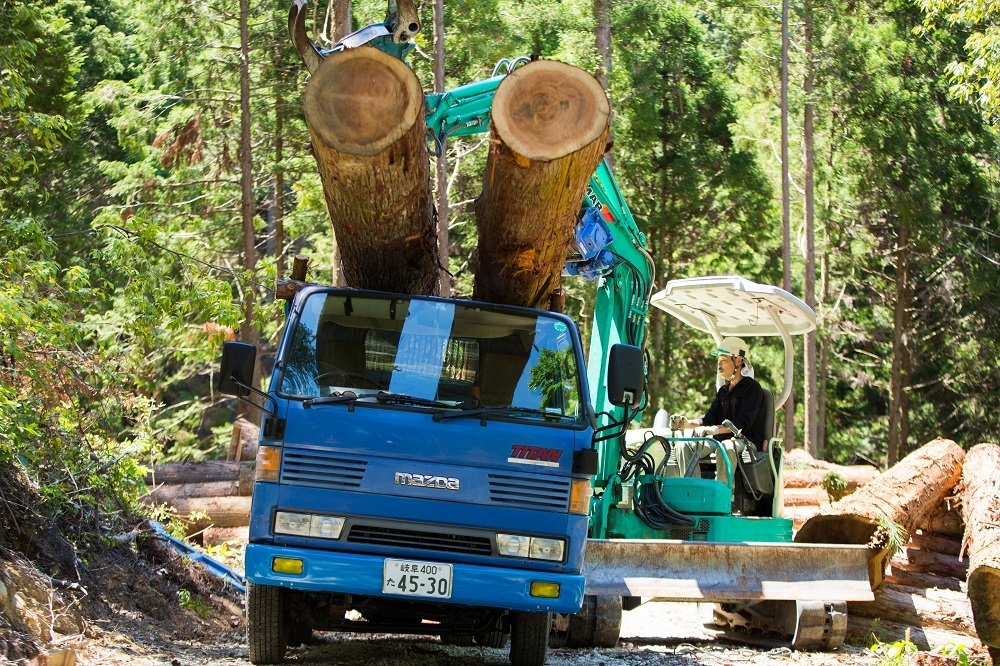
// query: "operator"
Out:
[739,400]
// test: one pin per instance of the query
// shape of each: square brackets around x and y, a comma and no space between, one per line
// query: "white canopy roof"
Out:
[738,307]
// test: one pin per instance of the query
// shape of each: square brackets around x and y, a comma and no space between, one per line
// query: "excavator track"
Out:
[801,625]
[597,624]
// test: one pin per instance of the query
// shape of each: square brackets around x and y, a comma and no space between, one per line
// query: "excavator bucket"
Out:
[724,572]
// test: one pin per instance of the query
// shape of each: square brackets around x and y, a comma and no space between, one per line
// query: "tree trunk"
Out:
[906,495]
[441,164]
[945,520]
[900,329]
[981,508]
[365,112]
[341,28]
[811,436]
[602,40]
[786,215]
[549,129]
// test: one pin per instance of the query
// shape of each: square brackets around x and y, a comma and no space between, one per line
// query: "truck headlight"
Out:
[308,525]
[536,548]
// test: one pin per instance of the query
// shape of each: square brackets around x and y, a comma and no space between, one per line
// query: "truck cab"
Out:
[424,467]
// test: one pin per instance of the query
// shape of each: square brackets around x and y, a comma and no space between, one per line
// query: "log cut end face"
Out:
[984,594]
[360,101]
[547,109]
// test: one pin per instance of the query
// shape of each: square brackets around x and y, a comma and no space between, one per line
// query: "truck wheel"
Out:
[267,628]
[495,638]
[300,633]
[529,638]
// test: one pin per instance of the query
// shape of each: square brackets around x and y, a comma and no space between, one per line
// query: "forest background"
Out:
[155,178]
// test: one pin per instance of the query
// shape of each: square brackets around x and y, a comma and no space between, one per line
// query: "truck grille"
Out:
[321,470]
[423,540]
[530,492]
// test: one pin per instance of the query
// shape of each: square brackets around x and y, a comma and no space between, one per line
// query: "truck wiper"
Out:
[484,412]
[331,400]
[403,399]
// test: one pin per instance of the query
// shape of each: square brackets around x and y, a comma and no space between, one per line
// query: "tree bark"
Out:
[905,495]
[945,520]
[548,129]
[854,475]
[981,508]
[365,112]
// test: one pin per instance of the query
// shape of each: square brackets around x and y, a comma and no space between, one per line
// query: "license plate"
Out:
[417,579]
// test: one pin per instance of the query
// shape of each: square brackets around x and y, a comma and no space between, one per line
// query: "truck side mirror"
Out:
[626,376]
[236,370]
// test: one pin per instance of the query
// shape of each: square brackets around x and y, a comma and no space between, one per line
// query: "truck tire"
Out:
[529,638]
[267,626]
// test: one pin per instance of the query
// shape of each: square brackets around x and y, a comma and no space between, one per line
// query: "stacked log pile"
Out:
[212,497]
[804,492]
[929,594]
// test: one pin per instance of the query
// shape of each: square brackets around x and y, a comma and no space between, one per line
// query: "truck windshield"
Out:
[458,356]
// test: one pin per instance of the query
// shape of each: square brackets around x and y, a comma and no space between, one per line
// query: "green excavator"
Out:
[655,531]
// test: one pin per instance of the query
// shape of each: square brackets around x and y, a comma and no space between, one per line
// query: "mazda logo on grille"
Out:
[426,481]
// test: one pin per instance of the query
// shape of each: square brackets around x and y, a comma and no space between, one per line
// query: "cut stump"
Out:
[549,129]
[365,112]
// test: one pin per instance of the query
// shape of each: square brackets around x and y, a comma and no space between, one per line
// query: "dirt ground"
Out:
[656,633]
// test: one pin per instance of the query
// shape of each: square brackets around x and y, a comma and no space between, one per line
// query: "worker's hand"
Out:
[705,431]
[678,422]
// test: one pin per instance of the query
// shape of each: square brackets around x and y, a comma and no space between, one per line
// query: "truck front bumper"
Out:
[472,585]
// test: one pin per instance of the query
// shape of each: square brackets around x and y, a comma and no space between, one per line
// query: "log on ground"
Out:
[168,494]
[906,495]
[202,512]
[365,112]
[980,492]
[549,129]
[207,471]
[853,475]
[918,607]
[945,520]
[866,630]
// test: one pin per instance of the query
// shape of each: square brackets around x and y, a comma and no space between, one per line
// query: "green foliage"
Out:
[834,484]
[193,602]
[895,653]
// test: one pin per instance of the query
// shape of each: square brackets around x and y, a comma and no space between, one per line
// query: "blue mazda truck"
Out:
[424,467]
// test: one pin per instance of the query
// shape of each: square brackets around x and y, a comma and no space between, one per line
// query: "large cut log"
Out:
[917,607]
[203,472]
[853,475]
[981,508]
[365,112]
[549,130]
[167,494]
[202,512]
[904,495]
[865,629]
[244,441]
[927,561]
[946,520]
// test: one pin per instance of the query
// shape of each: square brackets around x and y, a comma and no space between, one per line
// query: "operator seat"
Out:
[766,415]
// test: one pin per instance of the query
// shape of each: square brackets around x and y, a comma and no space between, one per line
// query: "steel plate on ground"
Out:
[699,571]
